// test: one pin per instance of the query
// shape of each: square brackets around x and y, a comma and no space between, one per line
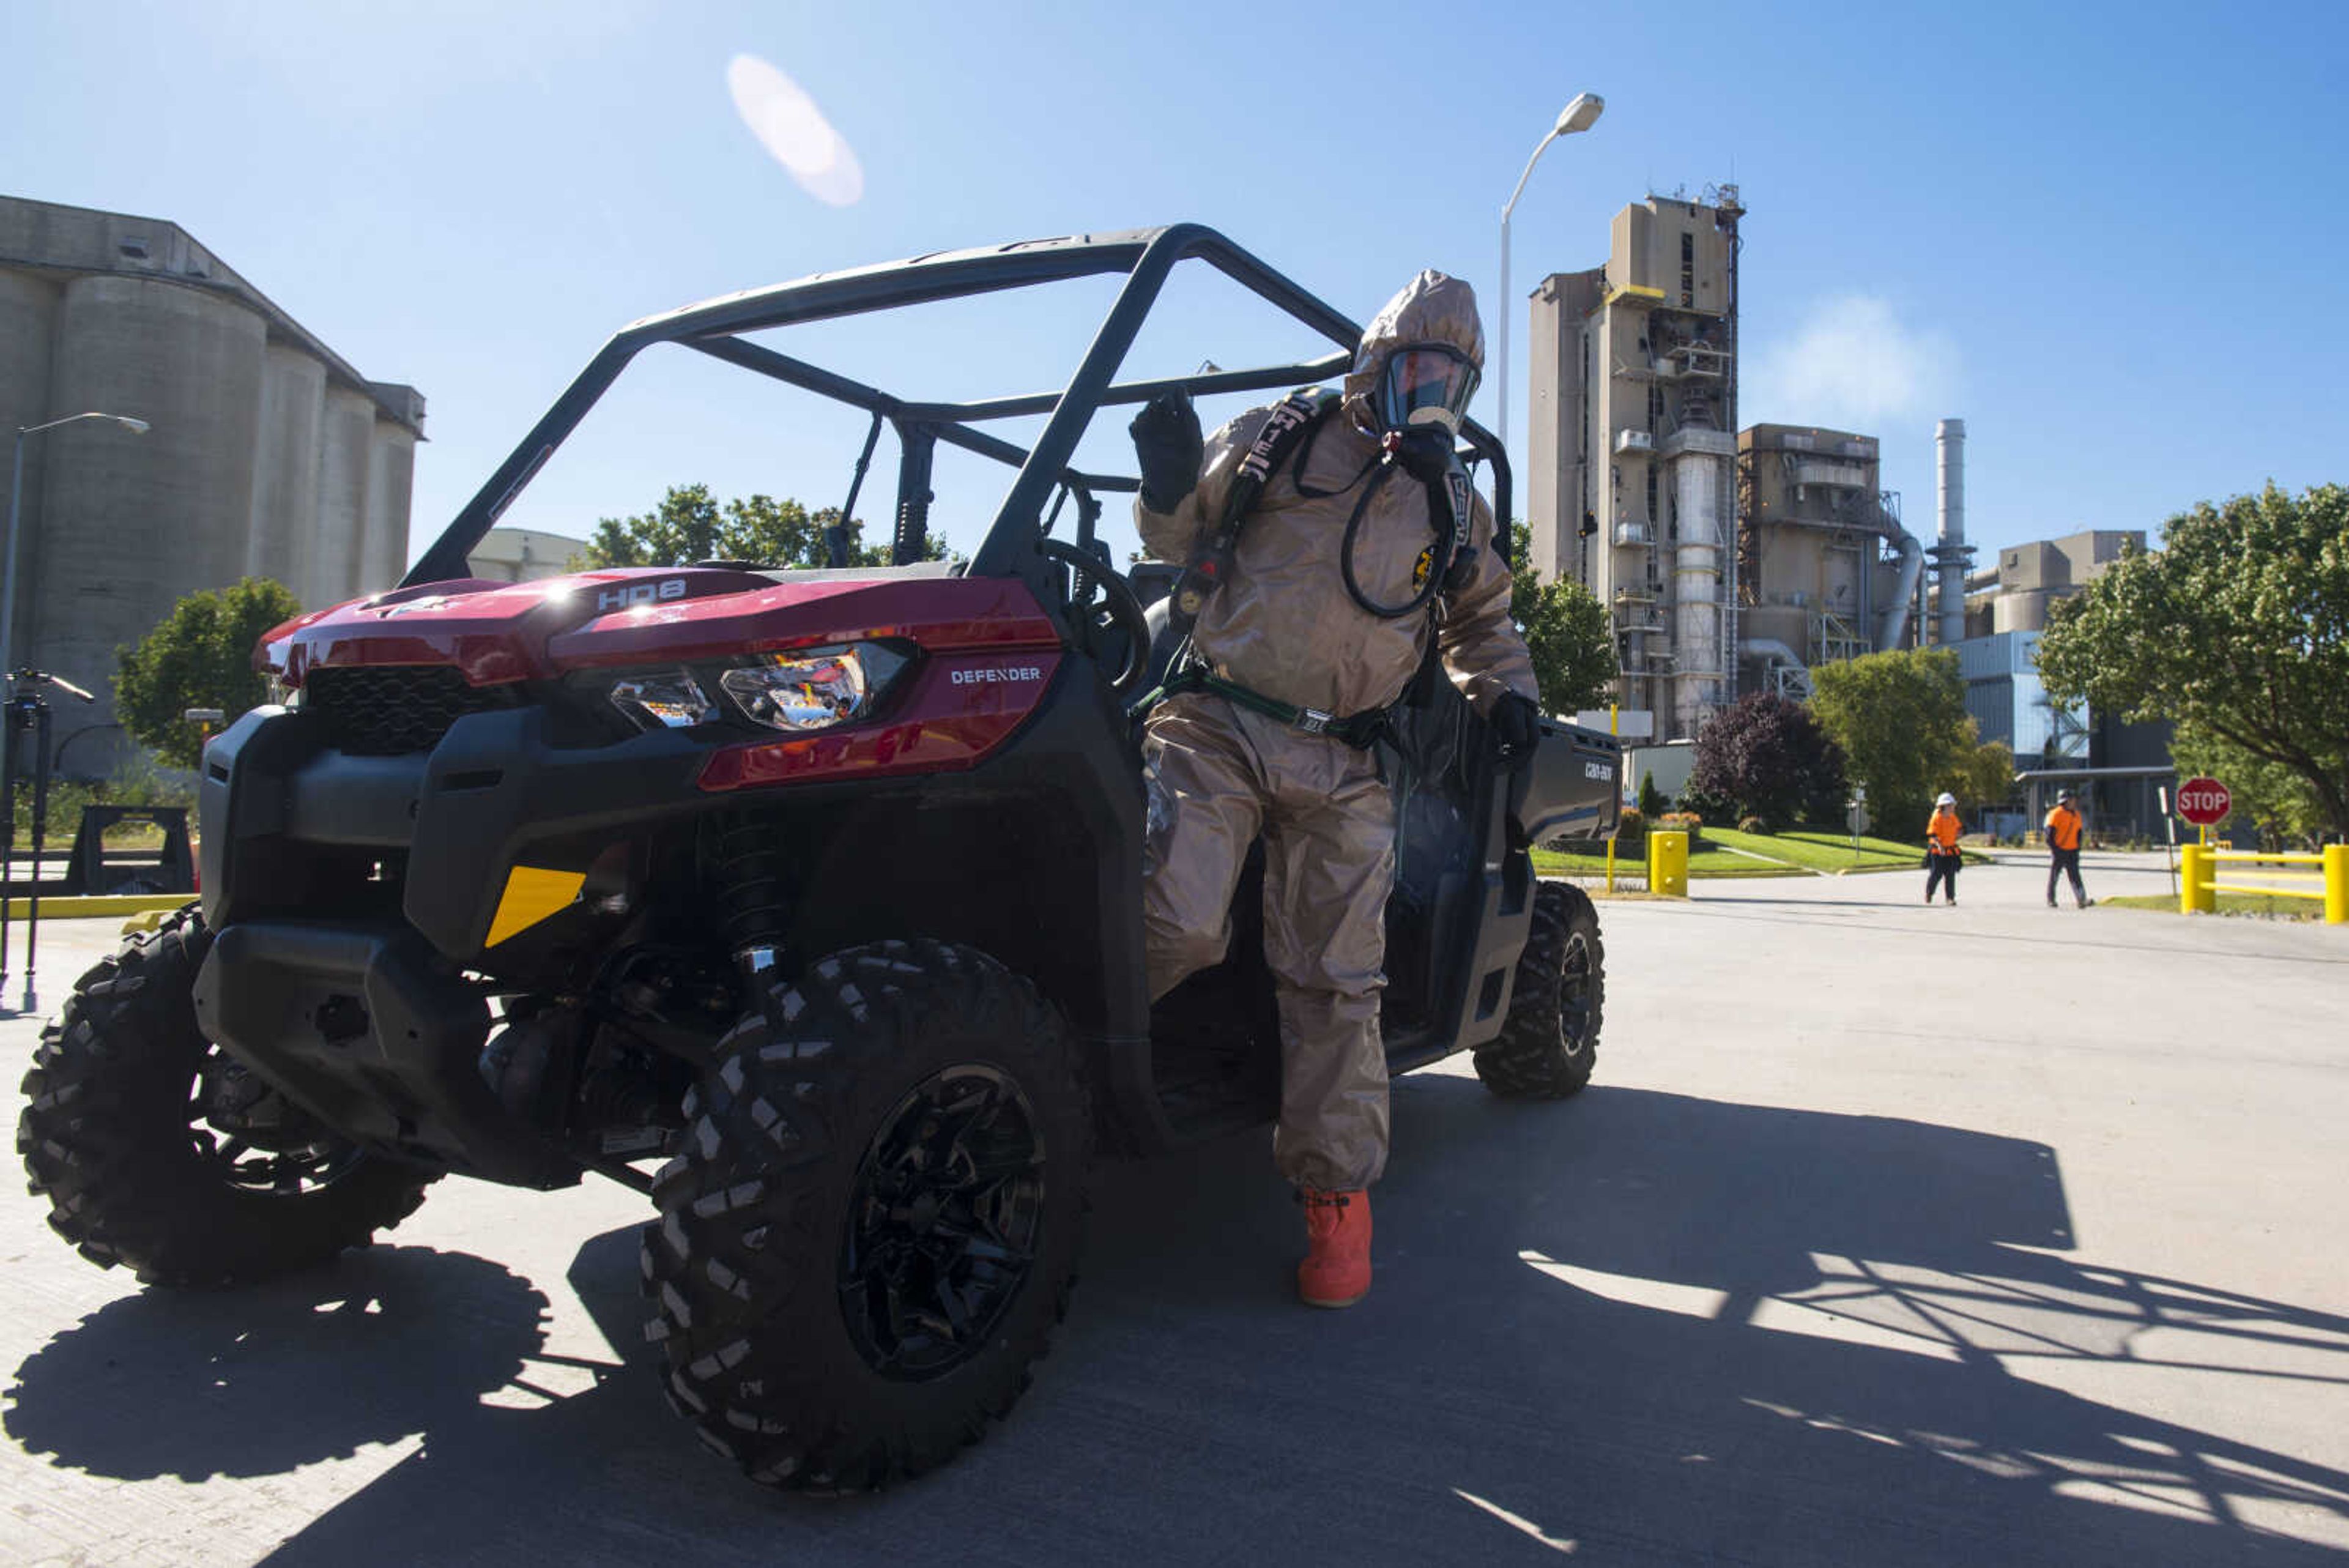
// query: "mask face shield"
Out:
[1425,383]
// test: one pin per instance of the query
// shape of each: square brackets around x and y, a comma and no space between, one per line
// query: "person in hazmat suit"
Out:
[1311,621]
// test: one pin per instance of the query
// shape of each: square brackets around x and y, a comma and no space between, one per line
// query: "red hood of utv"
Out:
[497,632]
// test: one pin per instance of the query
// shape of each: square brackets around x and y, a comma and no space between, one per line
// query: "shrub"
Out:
[138,782]
[1686,821]
[1651,799]
[1631,827]
[1705,804]
[1766,757]
[1750,825]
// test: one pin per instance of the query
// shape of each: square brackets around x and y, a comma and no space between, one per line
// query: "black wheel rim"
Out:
[251,1138]
[1574,988]
[942,1222]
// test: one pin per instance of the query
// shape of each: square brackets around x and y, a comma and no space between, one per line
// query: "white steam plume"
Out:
[1853,364]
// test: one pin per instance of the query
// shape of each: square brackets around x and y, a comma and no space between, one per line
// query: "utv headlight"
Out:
[815,688]
[663,699]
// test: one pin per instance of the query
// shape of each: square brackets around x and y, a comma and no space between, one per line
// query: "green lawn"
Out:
[1825,851]
[1792,853]
[1708,860]
[2228,903]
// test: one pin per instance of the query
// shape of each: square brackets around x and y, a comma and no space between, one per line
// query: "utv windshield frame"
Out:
[1147,256]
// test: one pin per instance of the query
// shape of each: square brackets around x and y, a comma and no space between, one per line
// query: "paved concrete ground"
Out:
[1887,1234]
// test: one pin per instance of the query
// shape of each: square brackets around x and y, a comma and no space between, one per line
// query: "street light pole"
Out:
[1579,115]
[15,496]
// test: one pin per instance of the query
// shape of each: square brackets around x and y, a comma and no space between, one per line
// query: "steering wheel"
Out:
[1125,610]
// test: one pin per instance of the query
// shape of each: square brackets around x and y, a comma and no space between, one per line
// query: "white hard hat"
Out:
[1947,799]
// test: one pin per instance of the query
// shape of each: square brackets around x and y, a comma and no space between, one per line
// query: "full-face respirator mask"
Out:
[1421,396]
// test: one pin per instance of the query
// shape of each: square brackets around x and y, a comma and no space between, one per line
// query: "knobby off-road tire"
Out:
[1546,1049]
[873,1227]
[117,1135]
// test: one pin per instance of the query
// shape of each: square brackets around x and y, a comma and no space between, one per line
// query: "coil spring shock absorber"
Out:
[747,868]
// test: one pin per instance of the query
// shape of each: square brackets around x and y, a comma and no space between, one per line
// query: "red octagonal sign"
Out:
[2203,802]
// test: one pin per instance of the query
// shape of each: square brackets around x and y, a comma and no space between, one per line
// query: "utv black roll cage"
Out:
[1147,256]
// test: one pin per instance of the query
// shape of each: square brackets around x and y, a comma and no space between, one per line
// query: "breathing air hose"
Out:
[1445,548]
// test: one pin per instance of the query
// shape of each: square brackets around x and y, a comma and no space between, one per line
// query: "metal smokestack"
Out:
[1950,554]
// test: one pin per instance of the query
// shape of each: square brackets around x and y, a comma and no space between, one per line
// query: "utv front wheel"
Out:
[1545,1050]
[158,1149]
[873,1227]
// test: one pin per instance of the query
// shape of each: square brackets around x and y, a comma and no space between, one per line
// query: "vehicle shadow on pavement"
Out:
[1643,1326]
[388,1342]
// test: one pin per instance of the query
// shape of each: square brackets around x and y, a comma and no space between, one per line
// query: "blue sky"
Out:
[2109,237]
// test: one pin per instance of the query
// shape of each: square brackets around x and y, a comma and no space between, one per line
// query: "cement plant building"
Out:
[269,455]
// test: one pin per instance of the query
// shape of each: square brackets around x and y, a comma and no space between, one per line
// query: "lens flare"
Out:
[789,126]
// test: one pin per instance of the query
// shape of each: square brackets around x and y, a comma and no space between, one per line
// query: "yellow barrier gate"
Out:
[2199,866]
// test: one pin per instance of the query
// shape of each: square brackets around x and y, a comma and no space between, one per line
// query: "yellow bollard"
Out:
[2336,883]
[1668,864]
[2195,874]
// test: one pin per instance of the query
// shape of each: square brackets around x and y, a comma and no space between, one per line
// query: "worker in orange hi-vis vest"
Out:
[1943,857]
[2064,834]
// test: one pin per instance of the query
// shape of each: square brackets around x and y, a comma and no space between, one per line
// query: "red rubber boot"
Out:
[1336,1271]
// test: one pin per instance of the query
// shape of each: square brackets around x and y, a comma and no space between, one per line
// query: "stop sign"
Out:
[2203,802]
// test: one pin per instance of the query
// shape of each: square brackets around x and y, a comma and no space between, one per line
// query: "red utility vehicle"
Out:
[820,887]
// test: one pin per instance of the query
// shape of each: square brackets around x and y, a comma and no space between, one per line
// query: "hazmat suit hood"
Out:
[1430,308]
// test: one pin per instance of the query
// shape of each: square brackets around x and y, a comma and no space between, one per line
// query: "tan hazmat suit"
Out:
[1219,776]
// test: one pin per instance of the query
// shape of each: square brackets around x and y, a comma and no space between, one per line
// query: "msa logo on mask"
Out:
[1421,567]
[629,594]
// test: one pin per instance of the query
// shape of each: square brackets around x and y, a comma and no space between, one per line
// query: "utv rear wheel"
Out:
[873,1227]
[1546,1049]
[158,1149]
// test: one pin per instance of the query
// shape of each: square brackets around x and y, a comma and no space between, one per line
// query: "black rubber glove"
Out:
[1167,443]
[1516,727]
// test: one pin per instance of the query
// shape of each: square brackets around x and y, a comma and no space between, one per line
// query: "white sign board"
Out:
[1631,723]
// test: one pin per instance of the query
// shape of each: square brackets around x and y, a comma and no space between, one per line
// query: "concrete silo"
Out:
[339,559]
[391,477]
[128,526]
[268,453]
[28,311]
[283,539]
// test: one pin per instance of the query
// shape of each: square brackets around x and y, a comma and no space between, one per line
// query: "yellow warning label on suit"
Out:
[530,896]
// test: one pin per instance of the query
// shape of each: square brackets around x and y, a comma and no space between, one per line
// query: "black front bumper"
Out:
[277,803]
[376,1036]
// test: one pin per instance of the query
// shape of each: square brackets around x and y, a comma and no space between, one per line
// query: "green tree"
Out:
[2238,629]
[2272,797]
[1652,802]
[1765,757]
[690,524]
[1567,632]
[1900,718]
[200,657]
[1981,772]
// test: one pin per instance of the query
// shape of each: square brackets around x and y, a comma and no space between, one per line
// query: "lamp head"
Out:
[1580,115]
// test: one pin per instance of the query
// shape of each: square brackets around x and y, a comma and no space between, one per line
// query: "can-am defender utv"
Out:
[822,886]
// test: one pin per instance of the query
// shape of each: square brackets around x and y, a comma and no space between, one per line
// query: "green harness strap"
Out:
[1360,730]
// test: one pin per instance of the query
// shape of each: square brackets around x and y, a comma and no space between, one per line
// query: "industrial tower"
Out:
[1632,488]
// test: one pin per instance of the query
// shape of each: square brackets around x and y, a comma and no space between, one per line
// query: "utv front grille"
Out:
[390,711]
